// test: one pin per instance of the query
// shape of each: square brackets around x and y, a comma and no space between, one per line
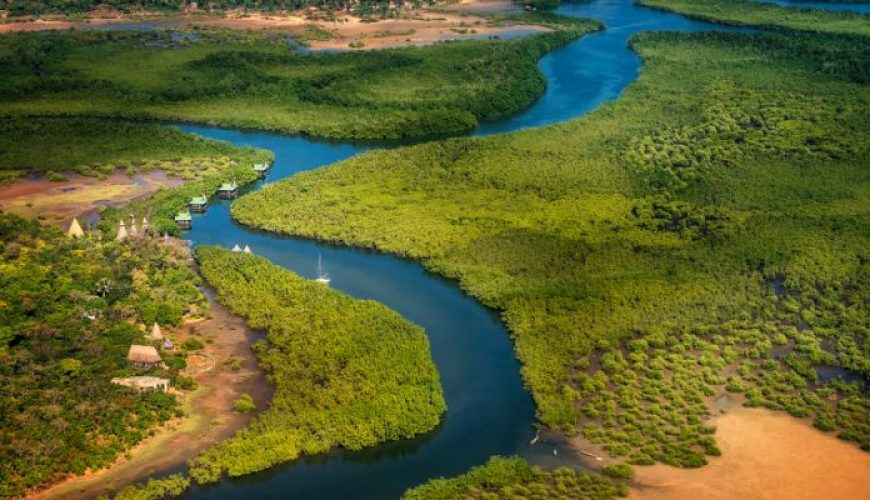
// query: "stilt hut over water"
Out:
[198,204]
[184,220]
[228,190]
[262,169]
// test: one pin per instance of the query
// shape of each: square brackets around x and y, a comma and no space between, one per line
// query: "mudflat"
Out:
[765,455]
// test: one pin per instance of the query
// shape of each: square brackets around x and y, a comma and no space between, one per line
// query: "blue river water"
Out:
[489,410]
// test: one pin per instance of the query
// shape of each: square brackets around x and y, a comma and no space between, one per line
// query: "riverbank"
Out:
[765,454]
[210,414]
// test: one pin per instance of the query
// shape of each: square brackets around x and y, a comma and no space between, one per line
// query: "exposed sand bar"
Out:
[765,455]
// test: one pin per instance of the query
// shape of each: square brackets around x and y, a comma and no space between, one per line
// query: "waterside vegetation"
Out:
[513,478]
[768,15]
[253,80]
[69,310]
[347,373]
[708,232]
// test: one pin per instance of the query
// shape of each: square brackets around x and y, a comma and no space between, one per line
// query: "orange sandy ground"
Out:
[765,455]
[211,419]
[428,27]
[59,202]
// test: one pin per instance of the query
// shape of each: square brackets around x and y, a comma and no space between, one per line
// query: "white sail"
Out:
[322,277]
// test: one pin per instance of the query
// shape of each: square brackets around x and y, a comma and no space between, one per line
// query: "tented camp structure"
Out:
[156,332]
[122,232]
[143,382]
[75,229]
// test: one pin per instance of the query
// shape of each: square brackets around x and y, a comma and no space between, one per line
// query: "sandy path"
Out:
[211,419]
[765,455]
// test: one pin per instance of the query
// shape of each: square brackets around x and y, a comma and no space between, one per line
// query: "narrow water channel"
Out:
[490,413]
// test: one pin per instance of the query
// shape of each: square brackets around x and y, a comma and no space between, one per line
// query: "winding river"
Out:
[490,412]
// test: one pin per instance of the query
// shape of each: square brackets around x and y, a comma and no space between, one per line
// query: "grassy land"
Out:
[707,231]
[59,412]
[347,373]
[511,478]
[53,147]
[766,15]
[256,81]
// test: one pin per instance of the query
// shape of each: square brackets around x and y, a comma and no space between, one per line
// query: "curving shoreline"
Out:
[391,280]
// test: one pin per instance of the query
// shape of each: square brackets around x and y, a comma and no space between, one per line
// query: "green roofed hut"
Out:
[228,190]
[198,204]
[262,169]
[184,220]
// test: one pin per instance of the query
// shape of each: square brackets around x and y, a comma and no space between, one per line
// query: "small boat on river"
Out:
[322,277]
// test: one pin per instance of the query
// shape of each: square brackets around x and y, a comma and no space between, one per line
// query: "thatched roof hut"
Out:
[143,356]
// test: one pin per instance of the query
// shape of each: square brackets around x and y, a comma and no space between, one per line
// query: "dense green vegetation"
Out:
[257,81]
[766,15]
[707,232]
[511,478]
[95,147]
[55,146]
[155,489]
[59,413]
[347,372]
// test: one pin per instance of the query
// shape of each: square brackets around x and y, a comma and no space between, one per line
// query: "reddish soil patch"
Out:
[233,372]
[59,202]
[765,455]
[415,27]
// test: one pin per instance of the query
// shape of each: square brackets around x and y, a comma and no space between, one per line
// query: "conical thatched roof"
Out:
[156,333]
[133,231]
[75,229]
[122,232]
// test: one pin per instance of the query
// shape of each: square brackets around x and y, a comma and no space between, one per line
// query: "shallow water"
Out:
[489,411]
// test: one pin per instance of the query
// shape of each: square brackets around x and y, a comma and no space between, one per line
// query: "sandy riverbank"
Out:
[59,202]
[765,455]
[210,408]
[414,27]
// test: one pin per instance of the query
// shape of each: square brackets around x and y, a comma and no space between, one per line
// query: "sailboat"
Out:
[322,277]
